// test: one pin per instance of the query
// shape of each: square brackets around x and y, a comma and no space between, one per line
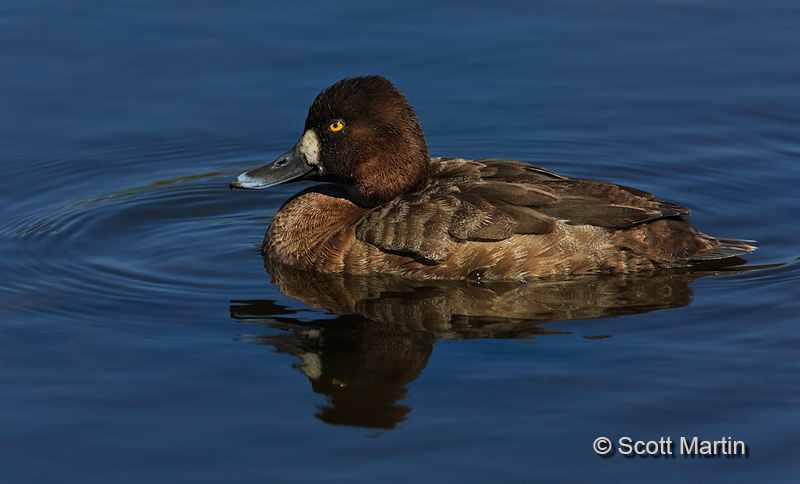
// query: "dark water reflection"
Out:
[385,330]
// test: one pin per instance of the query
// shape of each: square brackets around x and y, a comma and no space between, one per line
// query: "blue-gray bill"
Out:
[289,166]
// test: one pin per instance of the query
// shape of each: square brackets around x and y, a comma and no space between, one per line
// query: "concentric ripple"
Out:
[166,240]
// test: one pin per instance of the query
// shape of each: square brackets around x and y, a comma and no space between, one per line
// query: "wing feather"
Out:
[494,199]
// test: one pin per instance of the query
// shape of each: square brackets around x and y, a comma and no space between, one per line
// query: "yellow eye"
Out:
[337,126]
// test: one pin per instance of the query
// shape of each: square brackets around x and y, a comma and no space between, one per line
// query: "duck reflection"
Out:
[384,328]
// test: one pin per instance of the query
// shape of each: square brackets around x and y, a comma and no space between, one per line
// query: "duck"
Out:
[386,207]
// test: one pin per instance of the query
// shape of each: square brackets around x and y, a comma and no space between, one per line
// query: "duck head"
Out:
[360,133]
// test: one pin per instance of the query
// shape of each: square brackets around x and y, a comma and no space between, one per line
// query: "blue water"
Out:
[142,339]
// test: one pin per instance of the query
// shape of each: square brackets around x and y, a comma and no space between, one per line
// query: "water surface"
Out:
[143,339]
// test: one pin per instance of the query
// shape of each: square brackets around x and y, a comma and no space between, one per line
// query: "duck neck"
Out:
[377,187]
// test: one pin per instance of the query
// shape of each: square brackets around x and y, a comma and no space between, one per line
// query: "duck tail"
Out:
[725,248]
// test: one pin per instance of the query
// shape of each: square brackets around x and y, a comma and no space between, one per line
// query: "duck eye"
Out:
[337,126]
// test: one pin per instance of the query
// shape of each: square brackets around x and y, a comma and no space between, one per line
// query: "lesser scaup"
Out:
[390,208]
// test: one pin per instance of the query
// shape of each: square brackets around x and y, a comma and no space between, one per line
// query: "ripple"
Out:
[160,244]
[781,273]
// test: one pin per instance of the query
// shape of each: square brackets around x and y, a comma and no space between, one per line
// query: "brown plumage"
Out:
[394,210]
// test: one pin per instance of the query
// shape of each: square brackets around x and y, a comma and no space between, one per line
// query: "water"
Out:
[144,341]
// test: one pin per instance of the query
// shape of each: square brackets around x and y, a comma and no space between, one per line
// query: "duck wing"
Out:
[490,200]
[580,201]
[427,225]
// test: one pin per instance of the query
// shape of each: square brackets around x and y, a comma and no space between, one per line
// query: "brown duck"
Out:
[390,208]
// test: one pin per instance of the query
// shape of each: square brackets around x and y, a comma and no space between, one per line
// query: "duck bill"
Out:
[287,167]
